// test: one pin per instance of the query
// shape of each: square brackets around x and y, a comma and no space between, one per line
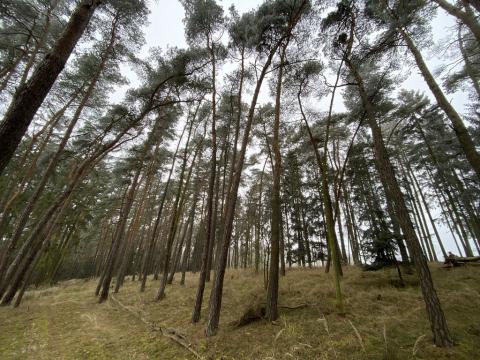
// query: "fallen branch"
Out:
[257,312]
[293,307]
[170,333]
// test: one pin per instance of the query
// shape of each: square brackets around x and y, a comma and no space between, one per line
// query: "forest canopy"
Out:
[284,137]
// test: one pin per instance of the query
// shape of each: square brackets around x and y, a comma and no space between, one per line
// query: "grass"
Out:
[382,321]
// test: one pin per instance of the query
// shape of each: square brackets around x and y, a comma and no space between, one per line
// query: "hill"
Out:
[382,321]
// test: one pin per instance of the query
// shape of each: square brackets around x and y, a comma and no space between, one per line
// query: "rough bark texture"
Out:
[28,98]
[435,313]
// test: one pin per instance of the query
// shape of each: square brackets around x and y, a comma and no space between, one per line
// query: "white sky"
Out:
[165,28]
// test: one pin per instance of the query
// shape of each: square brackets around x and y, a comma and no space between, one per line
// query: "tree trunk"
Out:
[178,251]
[27,210]
[178,208]
[462,16]
[18,184]
[217,286]
[469,67]
[224,244]
[28,98]
[129,243]
[210,220]
[461,131]
[435,313]
[332,244]
[147,257]
[25,263]
[119,236]
[427,209]
[271,309]
[474,3]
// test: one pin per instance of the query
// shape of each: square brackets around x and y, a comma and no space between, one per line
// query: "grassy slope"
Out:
[382,322]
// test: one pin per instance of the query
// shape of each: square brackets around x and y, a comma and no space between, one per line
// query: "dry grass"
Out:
[382,321]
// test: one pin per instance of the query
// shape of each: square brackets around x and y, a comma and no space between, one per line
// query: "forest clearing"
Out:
[382,321]
[240,179]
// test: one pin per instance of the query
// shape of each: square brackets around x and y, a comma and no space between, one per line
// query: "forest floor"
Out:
[382,321]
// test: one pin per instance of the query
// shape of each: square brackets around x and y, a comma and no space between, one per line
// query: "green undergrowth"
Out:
[383,321]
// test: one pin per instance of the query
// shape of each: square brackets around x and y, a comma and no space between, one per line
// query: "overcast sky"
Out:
[165,29]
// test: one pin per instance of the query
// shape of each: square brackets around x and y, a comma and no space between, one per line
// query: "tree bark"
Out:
[469,67]
[459,127]
[210,219]
[119,236]
[28,98]
[153,236]
[332,244]
[217,286]
[27,210]
[178,208]
[271,309]
[435,313]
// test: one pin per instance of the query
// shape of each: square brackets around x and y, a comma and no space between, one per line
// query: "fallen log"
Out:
[455,261]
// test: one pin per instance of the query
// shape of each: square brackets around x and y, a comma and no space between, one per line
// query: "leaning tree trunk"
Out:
[474,3]
[459,127]
[28,98]
[52,165]
[150,246]
[37,246]
[27,162]
[119,236]
[445,190]
[182,234]
[191,222]
[462,16]
[469,67]
[78,173]
[18,184]
[217,286]
[128,247]
[220,266]
[435,313]
[425,205]
[177,209]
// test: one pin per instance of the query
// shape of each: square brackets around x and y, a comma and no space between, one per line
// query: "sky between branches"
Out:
[165,28]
